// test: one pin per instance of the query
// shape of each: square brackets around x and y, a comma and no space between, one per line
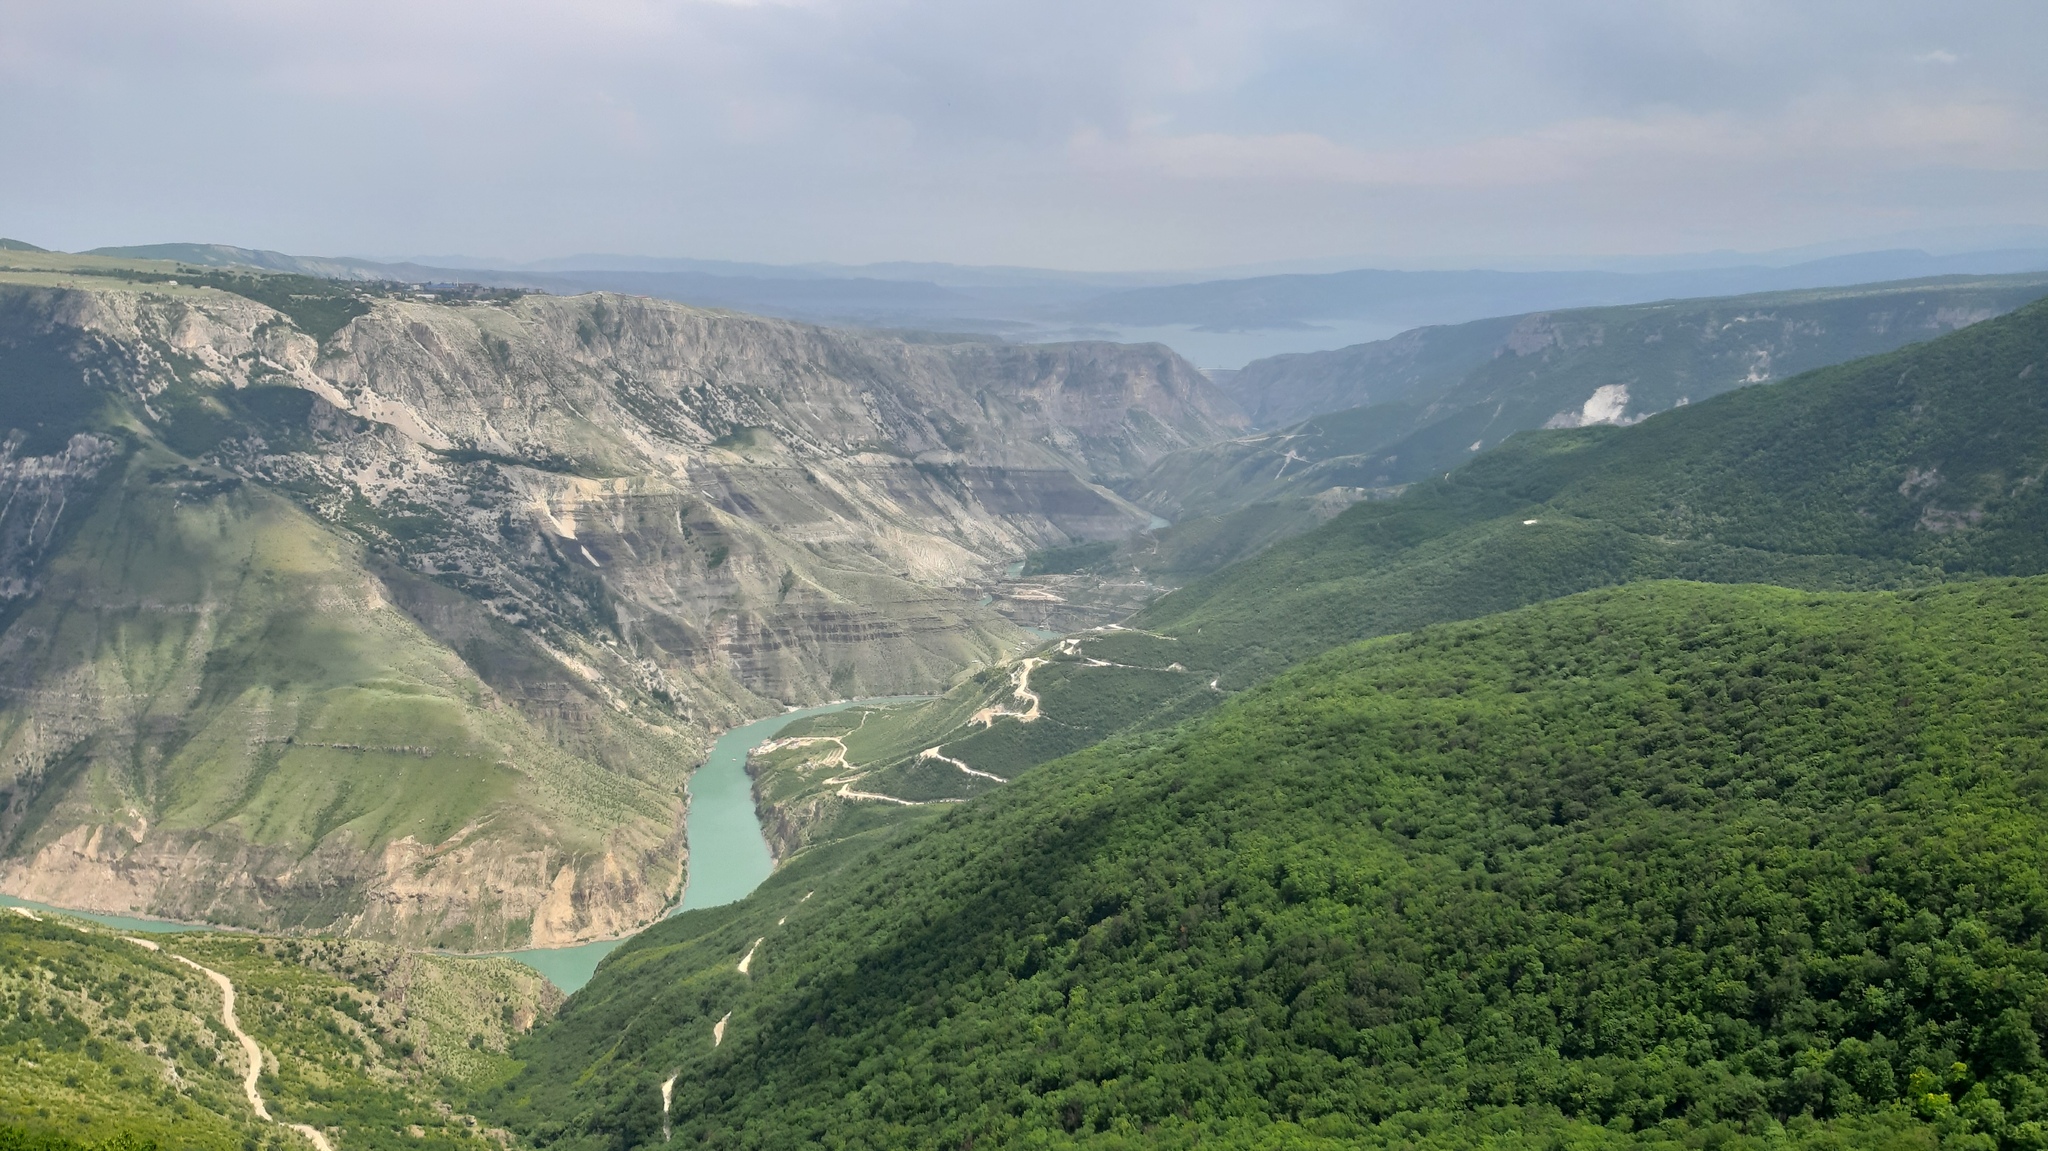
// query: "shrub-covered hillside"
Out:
[1673,864]
[105,1038]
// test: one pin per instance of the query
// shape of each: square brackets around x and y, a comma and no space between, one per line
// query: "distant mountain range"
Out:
[1208,316]
[1413,299]
[1426,401]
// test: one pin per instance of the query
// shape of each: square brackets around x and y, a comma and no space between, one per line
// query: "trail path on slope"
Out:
[249,1049]
[934,753]
[837,759]
[1020,688]
[850,793]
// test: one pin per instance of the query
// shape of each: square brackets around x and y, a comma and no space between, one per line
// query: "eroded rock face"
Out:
[36,492]
[416,633]
[765,511]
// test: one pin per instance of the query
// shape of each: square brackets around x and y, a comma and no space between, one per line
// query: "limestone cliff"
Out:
[367,610]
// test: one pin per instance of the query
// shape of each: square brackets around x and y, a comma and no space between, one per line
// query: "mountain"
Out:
[404,614]
[891,295]
[1670,865]
[1661,353]
[1299,311]
[1587,837]
[1402,299]
[941,274]
[1433,397]
[230,256]
[1899,470]
[1425,402]
[1903,468]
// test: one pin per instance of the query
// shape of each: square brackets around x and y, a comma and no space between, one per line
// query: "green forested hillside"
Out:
[1382,416]
[1673,864]
[1910,468]
[1427,401]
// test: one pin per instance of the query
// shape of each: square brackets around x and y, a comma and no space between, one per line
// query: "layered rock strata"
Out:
[415,628]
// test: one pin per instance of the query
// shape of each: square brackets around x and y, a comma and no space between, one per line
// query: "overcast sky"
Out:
[1097,134]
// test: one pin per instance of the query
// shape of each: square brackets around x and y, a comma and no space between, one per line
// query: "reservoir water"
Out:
[117,922]
[729,856]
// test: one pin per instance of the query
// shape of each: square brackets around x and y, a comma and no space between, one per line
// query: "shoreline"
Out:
[577,961]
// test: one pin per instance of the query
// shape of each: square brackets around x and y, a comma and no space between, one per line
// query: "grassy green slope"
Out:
[101,1038]
[20,1137]
[213,663]
[1674,863]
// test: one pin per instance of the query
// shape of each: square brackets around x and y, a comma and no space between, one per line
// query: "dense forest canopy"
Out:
[1673,860]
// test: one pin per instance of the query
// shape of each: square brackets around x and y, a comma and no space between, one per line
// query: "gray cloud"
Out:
[1141,133]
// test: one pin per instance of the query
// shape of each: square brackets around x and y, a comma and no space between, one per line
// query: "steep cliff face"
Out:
[214,709]
[35,493]
[408,617]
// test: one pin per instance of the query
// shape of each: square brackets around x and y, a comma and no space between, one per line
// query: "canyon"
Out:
[406,614]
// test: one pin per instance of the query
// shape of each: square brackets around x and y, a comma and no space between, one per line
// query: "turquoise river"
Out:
[728,854]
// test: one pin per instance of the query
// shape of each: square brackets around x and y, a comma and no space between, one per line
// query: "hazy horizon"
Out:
[1935,241]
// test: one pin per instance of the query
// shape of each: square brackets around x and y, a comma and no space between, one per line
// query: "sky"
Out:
[1099,135]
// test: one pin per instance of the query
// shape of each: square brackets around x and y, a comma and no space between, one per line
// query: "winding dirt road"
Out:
[1020,688]
[250,1050]
[935,753]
